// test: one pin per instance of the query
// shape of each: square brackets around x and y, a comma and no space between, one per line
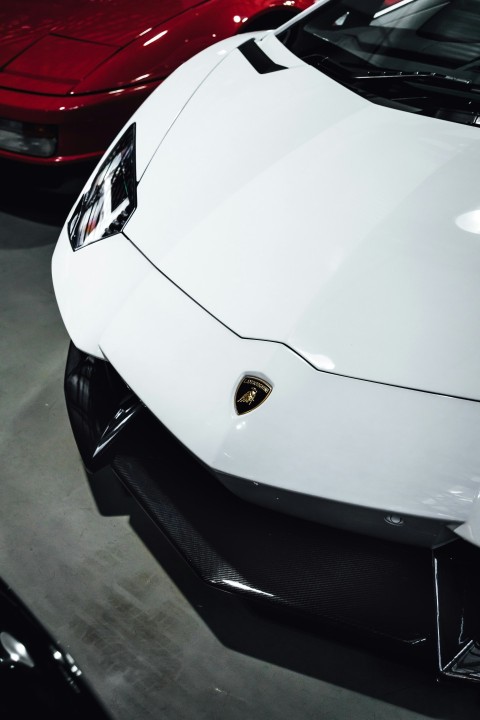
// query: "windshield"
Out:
[419,55]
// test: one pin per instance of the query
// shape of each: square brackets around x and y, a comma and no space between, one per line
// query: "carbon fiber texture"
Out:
[357,581]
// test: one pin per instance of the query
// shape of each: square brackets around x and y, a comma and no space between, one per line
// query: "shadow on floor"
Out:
[39,194]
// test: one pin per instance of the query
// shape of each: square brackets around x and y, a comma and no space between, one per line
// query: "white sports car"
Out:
[276,267]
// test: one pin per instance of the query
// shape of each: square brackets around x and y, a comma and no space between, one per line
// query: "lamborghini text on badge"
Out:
[251,393]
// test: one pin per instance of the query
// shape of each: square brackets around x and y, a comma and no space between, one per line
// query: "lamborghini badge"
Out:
[251,393]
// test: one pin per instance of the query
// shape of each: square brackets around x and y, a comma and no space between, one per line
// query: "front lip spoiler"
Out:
[417,602]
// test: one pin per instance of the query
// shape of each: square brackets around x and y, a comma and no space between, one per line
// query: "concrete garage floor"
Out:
[151,638]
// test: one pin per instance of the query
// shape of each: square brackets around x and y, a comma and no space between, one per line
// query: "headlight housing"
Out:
[110,199]
[36,139]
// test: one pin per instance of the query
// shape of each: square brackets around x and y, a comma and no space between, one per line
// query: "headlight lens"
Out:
[108,202]
[34,139]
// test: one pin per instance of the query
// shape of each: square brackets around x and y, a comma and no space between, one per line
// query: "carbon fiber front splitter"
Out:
[420,601]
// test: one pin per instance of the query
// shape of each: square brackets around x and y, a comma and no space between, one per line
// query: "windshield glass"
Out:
[422,55]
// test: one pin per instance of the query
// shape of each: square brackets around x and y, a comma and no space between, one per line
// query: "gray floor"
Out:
[151,646]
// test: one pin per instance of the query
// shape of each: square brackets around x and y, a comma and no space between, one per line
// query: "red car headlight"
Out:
[34,139]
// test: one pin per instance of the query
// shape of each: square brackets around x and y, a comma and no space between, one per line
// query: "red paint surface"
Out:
[114,22]
[56,60]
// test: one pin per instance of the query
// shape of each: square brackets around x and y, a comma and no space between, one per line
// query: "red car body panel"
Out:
[84,66]
[86,123]
[109,22]
[54,64]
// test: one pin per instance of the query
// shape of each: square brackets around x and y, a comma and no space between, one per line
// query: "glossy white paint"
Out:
[90,285]
[319,434]
[294,210]
[161,108]
[337,233]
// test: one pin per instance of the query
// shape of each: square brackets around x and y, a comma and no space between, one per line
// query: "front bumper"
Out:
[417,601]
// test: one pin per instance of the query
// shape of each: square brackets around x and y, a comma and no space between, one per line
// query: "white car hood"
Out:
[294,210]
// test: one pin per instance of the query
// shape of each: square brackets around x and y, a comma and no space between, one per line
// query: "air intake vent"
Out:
[258,59]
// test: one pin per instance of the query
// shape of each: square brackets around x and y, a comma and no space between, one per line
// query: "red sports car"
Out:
[73,71]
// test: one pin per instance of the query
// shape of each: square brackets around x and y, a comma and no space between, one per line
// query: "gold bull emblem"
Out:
[251,392]
[249,396]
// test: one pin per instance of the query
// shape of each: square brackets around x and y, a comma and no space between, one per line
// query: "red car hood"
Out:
[49,46]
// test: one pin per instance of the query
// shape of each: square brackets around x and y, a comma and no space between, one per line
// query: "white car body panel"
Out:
[381,280]
[367,293]
[318,434]
[160,110]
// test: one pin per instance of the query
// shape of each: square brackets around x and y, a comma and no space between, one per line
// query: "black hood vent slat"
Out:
[258,59]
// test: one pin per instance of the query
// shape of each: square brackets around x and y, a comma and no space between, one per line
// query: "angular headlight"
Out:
[108,202]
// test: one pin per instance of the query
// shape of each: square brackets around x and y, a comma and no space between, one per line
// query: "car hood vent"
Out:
[258,59]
